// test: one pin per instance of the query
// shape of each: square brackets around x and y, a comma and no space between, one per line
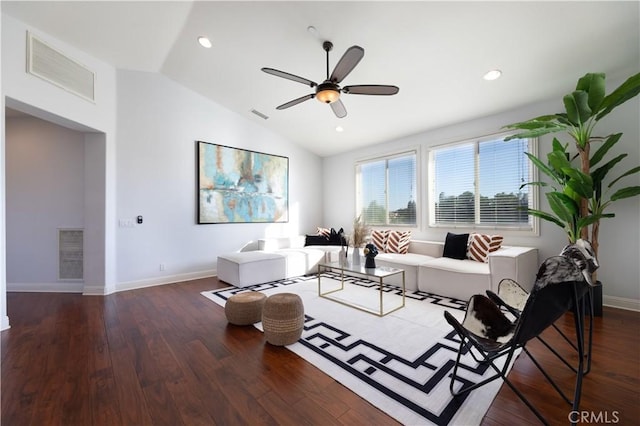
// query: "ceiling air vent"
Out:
[53,66]
[259,114]
[70,254]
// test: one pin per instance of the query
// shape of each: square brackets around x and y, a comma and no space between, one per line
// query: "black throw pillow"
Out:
[455,246]
[336,238]
[316,240]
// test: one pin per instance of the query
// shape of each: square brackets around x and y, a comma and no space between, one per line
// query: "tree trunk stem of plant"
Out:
[584,203]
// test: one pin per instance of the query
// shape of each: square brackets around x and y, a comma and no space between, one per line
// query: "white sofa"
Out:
[301,259]
[425,268]
[271,259]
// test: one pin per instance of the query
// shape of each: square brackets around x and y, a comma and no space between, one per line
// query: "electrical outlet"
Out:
[162,266]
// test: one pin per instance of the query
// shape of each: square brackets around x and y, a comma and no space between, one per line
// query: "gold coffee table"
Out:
[374,274]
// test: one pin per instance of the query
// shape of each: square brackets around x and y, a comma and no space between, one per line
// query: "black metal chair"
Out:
[513,297]
[489,335]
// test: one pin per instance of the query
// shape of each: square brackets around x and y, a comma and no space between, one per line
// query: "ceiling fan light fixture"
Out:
[328,96]
[328,92]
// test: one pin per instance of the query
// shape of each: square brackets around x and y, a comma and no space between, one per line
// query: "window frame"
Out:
[415,151]
[533,195]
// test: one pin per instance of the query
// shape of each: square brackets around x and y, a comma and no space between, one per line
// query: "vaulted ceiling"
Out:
[435,52]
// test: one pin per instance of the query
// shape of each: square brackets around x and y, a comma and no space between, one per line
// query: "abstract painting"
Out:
[240,186]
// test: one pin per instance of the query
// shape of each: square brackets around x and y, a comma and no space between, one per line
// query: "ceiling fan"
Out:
[329,90]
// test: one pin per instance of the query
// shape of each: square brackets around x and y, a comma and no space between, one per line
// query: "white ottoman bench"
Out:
[251,267]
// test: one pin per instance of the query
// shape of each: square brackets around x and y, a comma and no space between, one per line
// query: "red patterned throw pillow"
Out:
[325,232]
[379,239]
[398,242]
[480,245]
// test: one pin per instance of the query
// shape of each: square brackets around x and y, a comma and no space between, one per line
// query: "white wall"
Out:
[158,124]
[619,237]
[44,192]
[155,176]
[33,91]
[99,214]
[41,99]
[4,319]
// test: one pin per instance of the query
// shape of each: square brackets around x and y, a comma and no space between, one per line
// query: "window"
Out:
[386,190]
[477,184]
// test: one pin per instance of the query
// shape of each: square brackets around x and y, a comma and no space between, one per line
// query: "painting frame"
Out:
[236,185]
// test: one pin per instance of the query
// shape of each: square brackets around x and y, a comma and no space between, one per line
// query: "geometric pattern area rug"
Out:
[400,363]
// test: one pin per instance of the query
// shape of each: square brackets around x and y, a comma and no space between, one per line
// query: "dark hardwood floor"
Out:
[166,356]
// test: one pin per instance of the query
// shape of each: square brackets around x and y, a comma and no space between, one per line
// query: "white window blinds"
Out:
[387,190]
[477,183]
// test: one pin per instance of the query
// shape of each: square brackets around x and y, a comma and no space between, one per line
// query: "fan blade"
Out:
[288,76]
[347,63]
[338,109]
[371,89]
[296,101]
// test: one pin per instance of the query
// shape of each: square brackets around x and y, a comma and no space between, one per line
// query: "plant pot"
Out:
[596,299]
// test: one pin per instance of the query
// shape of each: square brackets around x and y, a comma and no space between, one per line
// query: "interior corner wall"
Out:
[44,176]
[99,245]
[159,123]
[619,237]
[42,99]
[4,318]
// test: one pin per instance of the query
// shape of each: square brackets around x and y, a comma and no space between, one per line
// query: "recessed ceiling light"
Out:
[339,129]
[204,42]
[492,75]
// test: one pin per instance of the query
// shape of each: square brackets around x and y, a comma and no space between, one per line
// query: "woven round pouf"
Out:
[283,319]
[245,308]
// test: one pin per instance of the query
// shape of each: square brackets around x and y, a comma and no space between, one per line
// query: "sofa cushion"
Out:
[455,246]
[410,259]
[330,235]
[301,261]
[459,279]
[480,245]
[316,240]
[379,239]
[409,262]
[325,232]
[336,238]
[271,244]
[247,268]
[465,266]
[398,242]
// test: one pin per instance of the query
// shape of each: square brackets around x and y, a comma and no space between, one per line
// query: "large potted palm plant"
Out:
[579,193]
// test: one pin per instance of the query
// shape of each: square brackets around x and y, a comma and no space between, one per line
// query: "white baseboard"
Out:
[100,290]
[4,324]
[95,290]
[55,287]
[169,279]
[621,303]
